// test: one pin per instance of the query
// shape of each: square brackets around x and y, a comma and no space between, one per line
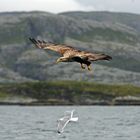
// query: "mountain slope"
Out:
[131,20]
[111,33]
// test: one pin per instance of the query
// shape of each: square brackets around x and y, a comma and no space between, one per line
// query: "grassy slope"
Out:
[68,91]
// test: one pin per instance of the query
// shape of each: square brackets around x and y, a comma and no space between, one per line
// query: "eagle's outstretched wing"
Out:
[60,48]
[87,55]
[94,56]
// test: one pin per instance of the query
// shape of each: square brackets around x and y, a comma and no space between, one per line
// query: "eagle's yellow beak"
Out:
[57,61]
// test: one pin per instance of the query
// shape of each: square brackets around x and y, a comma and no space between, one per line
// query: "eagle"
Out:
[70,54]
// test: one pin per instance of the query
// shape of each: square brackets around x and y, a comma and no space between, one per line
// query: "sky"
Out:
[57,6]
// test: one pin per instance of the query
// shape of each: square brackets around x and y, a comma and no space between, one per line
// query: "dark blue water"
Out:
[95,123]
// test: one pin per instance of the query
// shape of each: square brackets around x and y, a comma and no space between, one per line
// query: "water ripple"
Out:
[98,123]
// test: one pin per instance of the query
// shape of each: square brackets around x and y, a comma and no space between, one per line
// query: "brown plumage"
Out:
[70,54]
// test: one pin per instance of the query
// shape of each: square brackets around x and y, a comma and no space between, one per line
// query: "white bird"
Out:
[62,122]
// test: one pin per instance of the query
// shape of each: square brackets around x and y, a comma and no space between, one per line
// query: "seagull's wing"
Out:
[62,123]
[69,113]
[74,119]
[72,113]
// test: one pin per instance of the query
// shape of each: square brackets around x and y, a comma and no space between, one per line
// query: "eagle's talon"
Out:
[89,68]
[82,66]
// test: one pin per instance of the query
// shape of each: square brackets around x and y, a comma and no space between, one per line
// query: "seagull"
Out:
[62,122]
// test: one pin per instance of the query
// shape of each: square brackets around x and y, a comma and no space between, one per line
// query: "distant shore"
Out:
[126,101]
[68,93]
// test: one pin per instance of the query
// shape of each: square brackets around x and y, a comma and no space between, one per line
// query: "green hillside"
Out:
[116,34]
[68,92]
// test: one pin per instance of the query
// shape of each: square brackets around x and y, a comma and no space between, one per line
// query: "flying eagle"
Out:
[70,54]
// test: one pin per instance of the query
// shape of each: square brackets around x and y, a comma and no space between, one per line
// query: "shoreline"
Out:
[99,103]
[68,93]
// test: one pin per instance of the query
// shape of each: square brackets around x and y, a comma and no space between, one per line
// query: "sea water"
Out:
[95,123]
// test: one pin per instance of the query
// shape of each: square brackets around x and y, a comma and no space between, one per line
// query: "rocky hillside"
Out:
[117,34]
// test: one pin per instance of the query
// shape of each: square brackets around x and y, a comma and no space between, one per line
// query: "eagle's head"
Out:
[62,59]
